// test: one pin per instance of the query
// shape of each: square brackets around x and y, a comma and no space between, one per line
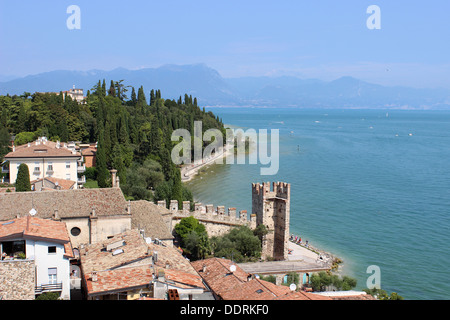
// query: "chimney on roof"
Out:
[93,214]
[204,268]
[94,277]
[114,178]
[56,215]
[129,207]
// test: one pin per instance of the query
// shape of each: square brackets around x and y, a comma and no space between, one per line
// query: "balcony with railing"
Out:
[81,180]
[49,287]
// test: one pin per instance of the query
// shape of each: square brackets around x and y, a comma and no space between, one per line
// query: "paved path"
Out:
[300,260]
[188,171]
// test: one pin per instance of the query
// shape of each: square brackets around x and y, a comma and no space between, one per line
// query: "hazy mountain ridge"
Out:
[211,88]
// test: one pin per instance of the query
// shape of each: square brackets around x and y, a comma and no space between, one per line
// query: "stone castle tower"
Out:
[272,209]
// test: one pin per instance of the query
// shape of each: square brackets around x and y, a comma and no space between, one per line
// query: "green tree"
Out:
[102,169]
[23,179]
[4,142]
[323,280]
[193,237]
[240,244]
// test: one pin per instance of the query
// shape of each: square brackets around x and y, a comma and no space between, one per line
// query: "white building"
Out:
[75,94]
[47,243]
[47,159]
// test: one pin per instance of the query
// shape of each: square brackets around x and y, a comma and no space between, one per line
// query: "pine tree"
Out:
[23,179]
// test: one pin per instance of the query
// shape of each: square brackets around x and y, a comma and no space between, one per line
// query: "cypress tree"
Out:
[152,97]
[102,170]
[4,141]
[118,164]
[177,189]
[23,179]
[104,88]
[112,89]
[133,96]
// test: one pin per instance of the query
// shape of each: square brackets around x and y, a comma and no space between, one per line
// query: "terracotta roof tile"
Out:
[147,215]
[41,150]
[63,183]
[97,257]
[239,285]
[69,203]
[36,228]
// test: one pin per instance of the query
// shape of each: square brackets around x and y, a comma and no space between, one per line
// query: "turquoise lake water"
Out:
[368,186]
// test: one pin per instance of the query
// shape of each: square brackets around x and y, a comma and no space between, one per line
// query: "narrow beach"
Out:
[189,171]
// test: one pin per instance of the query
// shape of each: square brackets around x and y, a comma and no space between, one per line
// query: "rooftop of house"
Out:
[35,228]
[90,151]
[122,249]
[42,148]
[130,248]
[134,277]
[52,183]
[127,261]
[68,203]
[240,285]
[147,216]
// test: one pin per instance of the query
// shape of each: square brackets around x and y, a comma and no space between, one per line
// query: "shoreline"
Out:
[189,171]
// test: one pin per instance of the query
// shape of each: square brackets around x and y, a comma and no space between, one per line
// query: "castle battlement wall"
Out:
[217,220]
[270,207]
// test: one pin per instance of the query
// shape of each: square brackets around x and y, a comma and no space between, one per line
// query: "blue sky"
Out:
[308,39]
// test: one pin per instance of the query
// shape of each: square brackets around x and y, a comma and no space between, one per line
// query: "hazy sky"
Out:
[309,39]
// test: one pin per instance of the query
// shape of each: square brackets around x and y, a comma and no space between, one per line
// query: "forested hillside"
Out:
[133,133]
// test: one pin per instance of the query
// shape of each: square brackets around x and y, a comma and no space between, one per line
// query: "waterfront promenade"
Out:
[189,171]
[300,260]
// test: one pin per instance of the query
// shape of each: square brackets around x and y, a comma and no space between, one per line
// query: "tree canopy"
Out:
[23,179]
[133,135]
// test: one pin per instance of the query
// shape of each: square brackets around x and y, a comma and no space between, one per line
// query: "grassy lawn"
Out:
[91,184]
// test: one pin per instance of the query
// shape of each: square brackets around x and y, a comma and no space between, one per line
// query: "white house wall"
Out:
[59,168]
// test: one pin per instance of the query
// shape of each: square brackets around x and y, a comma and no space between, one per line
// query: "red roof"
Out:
[29,227]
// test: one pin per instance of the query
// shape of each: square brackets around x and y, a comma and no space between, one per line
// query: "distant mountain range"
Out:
[211,89]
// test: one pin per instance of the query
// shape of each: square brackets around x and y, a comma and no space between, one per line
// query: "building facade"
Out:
[44,242]
[47,159]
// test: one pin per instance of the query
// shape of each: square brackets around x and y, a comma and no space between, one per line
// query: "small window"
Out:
[67,165]
[75,231]
[68,176]
[52,275]
[52,250]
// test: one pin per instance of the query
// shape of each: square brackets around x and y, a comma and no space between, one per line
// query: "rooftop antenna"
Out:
[33,211]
